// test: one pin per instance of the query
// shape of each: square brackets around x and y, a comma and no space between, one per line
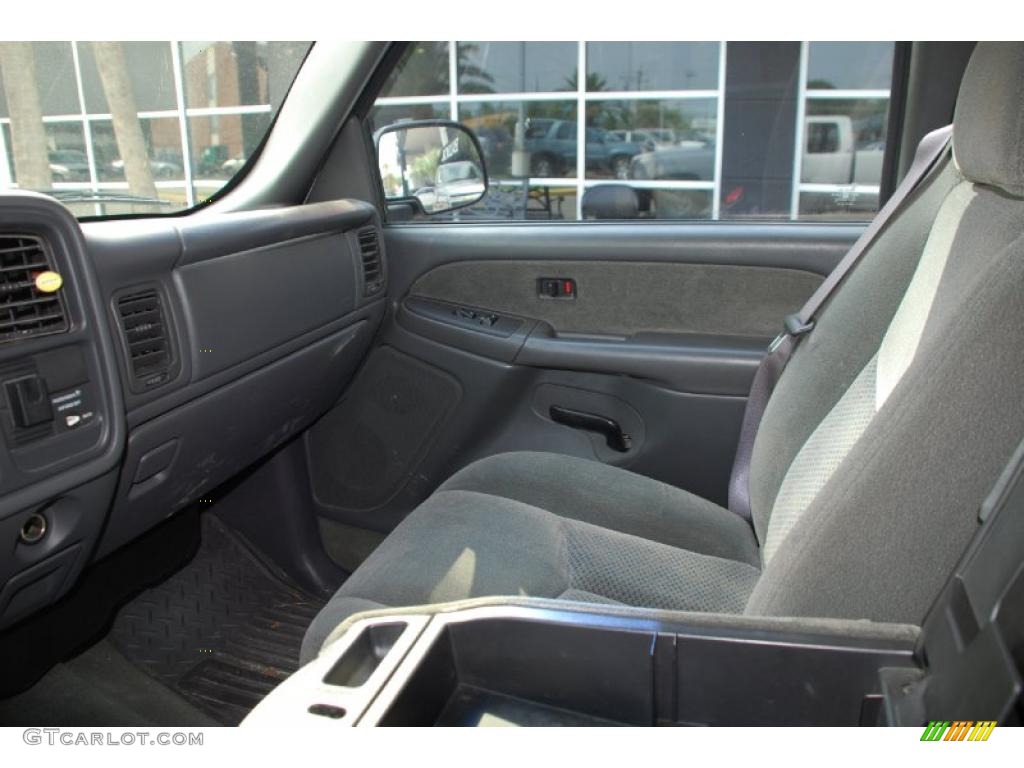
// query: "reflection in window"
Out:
[655,122]
[382,116]
[162,136]
[150,72]
[548,130]
[849,66]
[667,139]
[221,144]
[422,71]
[500,67]
[508,200]
[68,160]
[652,66]
[138,130]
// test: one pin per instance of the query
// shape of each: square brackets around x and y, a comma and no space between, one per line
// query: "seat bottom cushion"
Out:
[462,543]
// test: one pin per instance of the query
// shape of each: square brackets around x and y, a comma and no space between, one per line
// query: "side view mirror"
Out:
[436,162]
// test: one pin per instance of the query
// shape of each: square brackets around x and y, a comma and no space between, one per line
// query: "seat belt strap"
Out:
[931,149]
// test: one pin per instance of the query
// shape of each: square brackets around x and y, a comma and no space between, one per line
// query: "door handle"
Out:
[616,439]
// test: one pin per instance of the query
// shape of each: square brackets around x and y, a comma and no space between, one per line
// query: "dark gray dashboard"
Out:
[196,345]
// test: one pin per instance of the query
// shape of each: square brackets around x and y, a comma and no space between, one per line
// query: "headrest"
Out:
[988,126]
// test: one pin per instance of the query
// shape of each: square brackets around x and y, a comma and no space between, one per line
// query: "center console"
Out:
[539,662]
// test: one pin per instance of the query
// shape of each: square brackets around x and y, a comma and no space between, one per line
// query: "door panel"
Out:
[628,297]
[471,360]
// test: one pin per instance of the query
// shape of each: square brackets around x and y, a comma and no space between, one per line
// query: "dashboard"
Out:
[145,362]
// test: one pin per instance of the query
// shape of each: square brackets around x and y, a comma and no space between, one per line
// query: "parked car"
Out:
[690,162]
[832,156]
[161,169]
[69,165]
[552,147]
[458,183]
[650,138]
[234,165]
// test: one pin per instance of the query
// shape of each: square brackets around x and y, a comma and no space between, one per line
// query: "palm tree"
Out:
[28,136]
[131,144]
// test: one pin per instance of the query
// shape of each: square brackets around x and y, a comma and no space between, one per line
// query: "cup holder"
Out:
[365,654]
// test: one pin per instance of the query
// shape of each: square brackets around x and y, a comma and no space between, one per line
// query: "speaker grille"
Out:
[366,449]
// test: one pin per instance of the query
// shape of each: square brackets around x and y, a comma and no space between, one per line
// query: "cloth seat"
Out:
[884,434]
[577,530]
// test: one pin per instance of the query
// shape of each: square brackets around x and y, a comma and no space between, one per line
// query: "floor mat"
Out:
[223,631]
[100,688]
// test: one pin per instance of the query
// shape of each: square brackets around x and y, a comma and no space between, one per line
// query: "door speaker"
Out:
[366,448]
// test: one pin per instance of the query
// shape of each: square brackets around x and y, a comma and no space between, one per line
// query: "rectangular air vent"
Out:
[369,252]
[146,338]
[25,311]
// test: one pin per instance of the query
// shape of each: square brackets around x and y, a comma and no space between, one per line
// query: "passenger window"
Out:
[697,130]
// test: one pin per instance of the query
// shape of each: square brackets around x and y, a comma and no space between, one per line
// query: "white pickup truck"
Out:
[831,155]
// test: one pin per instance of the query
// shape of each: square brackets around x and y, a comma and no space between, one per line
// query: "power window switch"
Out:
[556,288]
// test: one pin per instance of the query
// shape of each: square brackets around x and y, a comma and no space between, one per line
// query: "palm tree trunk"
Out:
[28,136]
[117,86]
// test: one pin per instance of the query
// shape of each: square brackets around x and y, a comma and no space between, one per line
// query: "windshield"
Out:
[112,128]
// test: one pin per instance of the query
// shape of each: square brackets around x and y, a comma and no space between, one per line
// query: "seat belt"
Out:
[796,326]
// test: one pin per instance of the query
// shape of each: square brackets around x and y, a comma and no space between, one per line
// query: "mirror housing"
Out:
[437,163]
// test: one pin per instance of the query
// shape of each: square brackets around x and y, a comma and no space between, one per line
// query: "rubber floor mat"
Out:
[223,631]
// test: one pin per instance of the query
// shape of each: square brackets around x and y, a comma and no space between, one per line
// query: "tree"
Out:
[131,144]
[28,136]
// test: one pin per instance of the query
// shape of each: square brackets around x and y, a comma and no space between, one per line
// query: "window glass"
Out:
[162,137]
[498,67]
[189,115]
[150,72]
[691,131]
[422,71]
[841,168]
[67,157]
[548,128]
[856,66]
[664,139]
[652,66]
[381,116]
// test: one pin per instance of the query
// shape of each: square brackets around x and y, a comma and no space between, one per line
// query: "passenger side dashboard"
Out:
[205,342]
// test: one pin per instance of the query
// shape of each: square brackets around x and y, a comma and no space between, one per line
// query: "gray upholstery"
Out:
[461,544]
[887,528]
[827,447]
[828,360]
[893,419]
[611,498]
[629,297]
[989,119]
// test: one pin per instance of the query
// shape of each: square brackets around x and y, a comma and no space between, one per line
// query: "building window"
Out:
[800,128]
[202,108]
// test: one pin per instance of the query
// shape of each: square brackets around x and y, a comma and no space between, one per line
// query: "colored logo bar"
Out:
[958,730]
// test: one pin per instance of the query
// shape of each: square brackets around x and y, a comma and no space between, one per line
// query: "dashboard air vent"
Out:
[369,251]
[144,327]
[25,311]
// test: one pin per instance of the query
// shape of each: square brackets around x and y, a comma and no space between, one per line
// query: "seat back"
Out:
[896,414]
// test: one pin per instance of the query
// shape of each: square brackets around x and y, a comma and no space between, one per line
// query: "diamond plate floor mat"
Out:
[223,631]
